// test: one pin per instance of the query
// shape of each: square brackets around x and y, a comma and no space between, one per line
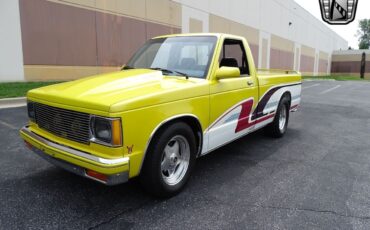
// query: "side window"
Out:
[233,55]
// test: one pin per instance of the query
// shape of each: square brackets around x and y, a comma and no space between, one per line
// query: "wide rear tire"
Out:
[279,126]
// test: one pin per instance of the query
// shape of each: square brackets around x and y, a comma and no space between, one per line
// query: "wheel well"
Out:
[195,125]
[287,94]
[190,120]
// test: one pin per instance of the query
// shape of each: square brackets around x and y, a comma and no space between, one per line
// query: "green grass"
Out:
[337,78]
[19,89]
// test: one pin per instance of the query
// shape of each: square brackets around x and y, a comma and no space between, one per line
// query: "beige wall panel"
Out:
[297,58]
[218,24]
[324,55]
[346,58]
[109,5]
[63,73]
[281,44]
[307,51]
[195,26]
[222,25]
[255,52]
[161,11]
[175,14]
[135,8]
[264,53]
[158,10]
[89,3]
[307,73]
[251,34]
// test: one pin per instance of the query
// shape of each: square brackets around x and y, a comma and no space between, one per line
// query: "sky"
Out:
[349,31]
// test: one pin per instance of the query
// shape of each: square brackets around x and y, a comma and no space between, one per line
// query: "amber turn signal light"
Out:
[116,132]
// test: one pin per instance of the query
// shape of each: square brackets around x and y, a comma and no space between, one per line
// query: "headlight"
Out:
[106,131]
[31,110]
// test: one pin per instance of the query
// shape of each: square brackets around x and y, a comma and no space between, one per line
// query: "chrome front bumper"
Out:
[54,153]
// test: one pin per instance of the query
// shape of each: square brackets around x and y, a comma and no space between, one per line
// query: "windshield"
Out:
[190,56]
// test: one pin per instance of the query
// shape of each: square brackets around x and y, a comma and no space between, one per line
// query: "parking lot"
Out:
[316,177]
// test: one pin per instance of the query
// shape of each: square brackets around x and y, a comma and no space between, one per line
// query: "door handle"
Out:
[250,83]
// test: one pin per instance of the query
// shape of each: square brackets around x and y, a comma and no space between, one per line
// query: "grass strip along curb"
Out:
[20,89]
[337,78]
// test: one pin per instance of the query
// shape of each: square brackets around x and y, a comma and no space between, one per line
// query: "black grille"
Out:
[64,123]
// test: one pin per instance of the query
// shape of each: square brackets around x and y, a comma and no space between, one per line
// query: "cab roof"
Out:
[218,35]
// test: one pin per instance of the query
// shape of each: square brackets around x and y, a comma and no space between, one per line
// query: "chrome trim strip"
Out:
[123,160]
[164,122]
[115,179]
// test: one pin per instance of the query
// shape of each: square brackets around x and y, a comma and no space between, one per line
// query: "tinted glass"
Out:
[189,55]
[233,55]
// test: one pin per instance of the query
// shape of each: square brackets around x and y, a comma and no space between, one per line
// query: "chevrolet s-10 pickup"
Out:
[178,98]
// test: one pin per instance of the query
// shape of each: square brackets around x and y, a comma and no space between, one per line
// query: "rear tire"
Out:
[169,161]
[279,126]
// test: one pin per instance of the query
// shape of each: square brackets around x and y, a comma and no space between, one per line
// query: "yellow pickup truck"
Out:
[178,98]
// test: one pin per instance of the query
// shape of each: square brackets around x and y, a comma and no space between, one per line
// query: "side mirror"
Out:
[227,72]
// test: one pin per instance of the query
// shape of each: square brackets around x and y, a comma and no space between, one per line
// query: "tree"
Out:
[364,34]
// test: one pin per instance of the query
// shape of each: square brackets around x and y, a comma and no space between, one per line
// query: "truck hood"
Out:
[122,91]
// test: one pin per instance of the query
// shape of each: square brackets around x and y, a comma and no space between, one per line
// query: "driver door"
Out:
[232,101]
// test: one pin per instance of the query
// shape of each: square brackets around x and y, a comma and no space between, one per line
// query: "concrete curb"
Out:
[13,102]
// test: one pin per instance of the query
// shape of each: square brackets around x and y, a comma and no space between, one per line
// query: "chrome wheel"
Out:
[282,117]
[175,160]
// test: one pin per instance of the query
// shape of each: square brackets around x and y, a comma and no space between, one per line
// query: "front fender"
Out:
[140,125]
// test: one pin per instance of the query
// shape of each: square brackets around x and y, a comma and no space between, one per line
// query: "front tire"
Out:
[169,160]
[279,126]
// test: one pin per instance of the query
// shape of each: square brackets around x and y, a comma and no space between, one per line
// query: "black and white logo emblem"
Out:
[338,12]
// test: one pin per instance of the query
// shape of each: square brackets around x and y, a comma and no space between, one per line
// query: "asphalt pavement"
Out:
[316,177]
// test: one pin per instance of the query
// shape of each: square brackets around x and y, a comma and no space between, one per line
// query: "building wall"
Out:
[348,62]
[11,57]
[68,39]
[283,28]
[88,37]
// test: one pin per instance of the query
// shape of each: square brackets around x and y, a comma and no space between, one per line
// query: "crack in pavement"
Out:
[121,213]
[218,201]
[313,210]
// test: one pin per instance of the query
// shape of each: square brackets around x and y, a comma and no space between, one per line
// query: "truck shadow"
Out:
[83,200]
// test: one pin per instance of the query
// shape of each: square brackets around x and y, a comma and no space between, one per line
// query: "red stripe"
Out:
[244,116]
[294,106]
[262,119]
[243,122]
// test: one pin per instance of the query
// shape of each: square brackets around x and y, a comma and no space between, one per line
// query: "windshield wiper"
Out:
[127,67]
[171,71]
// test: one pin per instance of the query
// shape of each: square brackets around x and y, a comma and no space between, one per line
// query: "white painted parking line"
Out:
[331,89]
[311,86]
[8,125]
[15,105]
